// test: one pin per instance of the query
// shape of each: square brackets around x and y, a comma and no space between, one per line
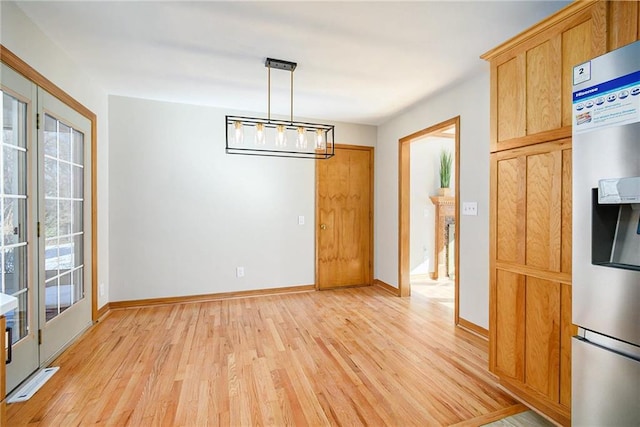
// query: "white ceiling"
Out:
[359,62]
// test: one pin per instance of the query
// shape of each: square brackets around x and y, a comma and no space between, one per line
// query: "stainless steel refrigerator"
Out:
[606,240]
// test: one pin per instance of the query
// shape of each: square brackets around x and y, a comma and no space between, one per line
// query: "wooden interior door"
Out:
[344,218]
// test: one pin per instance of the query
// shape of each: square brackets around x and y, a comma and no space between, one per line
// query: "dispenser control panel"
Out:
[619,190]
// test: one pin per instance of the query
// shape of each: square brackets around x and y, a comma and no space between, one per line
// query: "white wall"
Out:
[23,38]
[184,214]
[425,182]
[206,222]
[469,100]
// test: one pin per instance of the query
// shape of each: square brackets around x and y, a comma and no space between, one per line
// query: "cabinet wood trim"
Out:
[560,414]
[563,132]
[564,278]
[493,226]
[567,330]
[493,107]
[560,144]
[531,35]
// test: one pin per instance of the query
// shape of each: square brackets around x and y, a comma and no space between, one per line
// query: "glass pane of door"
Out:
[13,212]
[63,216]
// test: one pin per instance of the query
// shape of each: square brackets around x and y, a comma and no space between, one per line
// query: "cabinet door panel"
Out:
[543,221]
[510,299]
[624,23]
[510,200]
[576,49]
[544,86]
[542,334]
[511,98]
[566,212]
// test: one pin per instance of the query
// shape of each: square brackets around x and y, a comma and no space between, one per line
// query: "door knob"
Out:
[323,226]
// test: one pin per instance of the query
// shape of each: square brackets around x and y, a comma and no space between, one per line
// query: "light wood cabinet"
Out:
[530,310]
[531,75]
[530,325]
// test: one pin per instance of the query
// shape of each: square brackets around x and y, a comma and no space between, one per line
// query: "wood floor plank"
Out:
[497,415]
[357,356]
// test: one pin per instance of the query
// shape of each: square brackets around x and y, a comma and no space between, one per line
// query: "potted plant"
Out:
[445,172]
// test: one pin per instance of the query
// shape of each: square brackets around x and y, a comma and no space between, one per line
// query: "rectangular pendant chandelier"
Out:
[278,138]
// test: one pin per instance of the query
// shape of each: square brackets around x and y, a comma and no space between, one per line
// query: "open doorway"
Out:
[428,208]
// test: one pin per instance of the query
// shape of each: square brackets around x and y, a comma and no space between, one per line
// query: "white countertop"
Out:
[7,303]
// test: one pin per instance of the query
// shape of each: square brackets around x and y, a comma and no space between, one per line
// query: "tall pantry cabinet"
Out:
[530,243]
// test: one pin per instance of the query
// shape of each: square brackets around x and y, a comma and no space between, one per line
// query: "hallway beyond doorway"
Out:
[440,291]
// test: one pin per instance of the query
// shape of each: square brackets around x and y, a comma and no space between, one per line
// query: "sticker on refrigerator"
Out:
[582,73]
[612,103]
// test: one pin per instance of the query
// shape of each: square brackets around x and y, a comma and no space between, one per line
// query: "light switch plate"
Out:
[301,220]
[470,208]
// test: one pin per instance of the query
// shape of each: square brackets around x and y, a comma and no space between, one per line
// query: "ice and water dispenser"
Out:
[616,223]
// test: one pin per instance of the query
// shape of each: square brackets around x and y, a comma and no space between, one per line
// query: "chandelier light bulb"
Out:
[320,139]
[239,132]
[302,137]
[281,137]
[260,134]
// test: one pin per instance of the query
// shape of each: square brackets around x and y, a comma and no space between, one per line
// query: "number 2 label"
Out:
[582,73]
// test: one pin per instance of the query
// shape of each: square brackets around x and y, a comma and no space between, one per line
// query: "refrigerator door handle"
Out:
[609,344]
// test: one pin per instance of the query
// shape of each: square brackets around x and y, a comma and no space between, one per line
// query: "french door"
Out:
[64,207]
[18,250]
[44,206]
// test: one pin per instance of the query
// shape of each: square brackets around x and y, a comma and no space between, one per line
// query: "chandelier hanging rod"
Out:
[279,64]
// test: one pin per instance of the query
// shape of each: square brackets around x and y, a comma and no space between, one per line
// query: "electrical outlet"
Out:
[101,289]
[240,272]
[470,208]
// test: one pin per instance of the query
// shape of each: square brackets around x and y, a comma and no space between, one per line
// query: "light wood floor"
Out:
[347,357]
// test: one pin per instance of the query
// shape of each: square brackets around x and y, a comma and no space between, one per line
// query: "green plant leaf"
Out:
[445,169]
